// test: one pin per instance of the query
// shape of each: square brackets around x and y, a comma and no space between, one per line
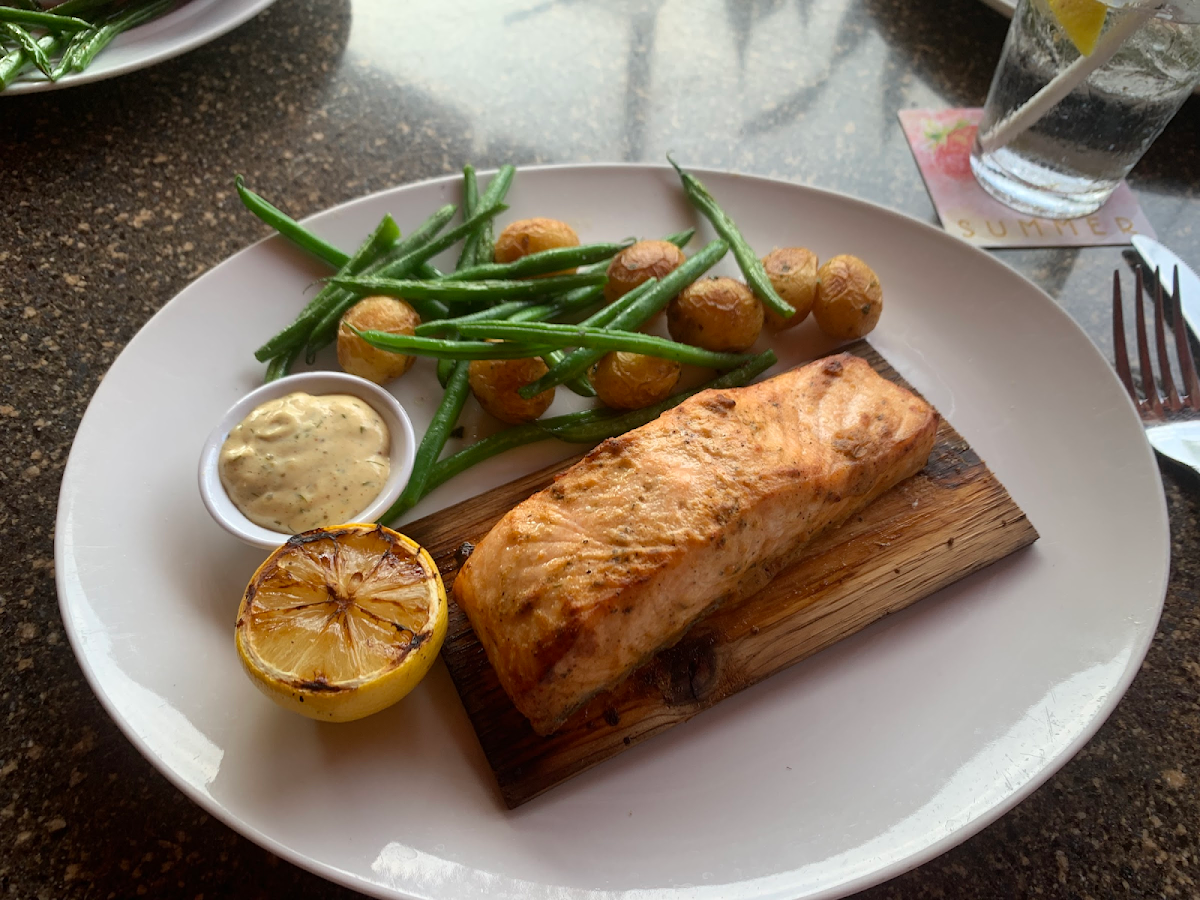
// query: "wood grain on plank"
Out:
[944,523]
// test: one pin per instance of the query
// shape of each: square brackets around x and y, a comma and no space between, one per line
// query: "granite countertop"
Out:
[117,194]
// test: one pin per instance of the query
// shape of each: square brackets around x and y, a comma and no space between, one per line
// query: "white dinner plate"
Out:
[182,29]
[850,767]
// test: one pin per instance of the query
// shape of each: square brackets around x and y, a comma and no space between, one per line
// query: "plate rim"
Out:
[843,889]
[191,40]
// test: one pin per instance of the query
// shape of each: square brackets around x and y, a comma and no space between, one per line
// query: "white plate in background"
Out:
[182,29]
[854,765]
[1004,7]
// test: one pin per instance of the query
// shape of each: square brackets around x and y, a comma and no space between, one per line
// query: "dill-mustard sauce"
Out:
[302,461]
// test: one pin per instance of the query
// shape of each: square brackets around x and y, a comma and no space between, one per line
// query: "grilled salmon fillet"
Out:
[583,582]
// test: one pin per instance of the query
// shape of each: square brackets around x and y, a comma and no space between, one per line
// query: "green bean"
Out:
[587,427]
[457,389]
[445,368]
[499,311]
[12,64]
[747,259]
[289,227]
[515,311]
[465,291]
[419,237]
[579,384]
[596,430]
[508,439]
[117,24]
[646,303]
[496,191]
[681,238]
[33,50]
[384,236]
[47,20]
[470,202]
[566,304]
[71,52]
[16,62]
[282,364]
[607,339]
[429,272]
[546,261]
[407,264]
[439,348]
[76,7]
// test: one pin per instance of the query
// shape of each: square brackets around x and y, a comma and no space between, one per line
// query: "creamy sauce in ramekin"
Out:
[302,461]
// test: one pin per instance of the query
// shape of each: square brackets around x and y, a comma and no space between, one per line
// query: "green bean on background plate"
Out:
[34,51]
[91,25]
[747,259]
[104,34]
[39,19]
[607,339]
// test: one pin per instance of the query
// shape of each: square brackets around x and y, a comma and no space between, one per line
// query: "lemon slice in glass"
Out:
[341,622]
[1082,20]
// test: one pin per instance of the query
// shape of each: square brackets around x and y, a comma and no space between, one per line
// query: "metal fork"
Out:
[1169,417]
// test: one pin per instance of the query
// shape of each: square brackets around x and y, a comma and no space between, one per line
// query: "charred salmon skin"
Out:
[583,582]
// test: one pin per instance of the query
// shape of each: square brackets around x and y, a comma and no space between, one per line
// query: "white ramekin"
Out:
[403,449]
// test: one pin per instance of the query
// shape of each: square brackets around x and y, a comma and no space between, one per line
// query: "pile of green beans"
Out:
[75,32]
[485,310]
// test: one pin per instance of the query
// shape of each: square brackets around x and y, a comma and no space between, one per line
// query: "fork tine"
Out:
[1183,349]
[1148,386]
[1118,317]
[1171,401]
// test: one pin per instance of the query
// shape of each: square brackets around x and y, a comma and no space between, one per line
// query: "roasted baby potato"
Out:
[358,357]
[527,236]
[633,381]
[849,297]
[495,383]
[639,263]
[717,314]
[793,274]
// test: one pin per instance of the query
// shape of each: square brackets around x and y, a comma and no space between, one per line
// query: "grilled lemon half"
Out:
[342,622]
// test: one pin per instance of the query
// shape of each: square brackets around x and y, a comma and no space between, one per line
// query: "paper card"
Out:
[941,142]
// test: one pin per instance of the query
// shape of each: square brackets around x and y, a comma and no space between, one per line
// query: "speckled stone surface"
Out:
[116,195]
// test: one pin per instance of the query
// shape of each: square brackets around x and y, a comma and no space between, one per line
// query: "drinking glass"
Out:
[1062,157]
